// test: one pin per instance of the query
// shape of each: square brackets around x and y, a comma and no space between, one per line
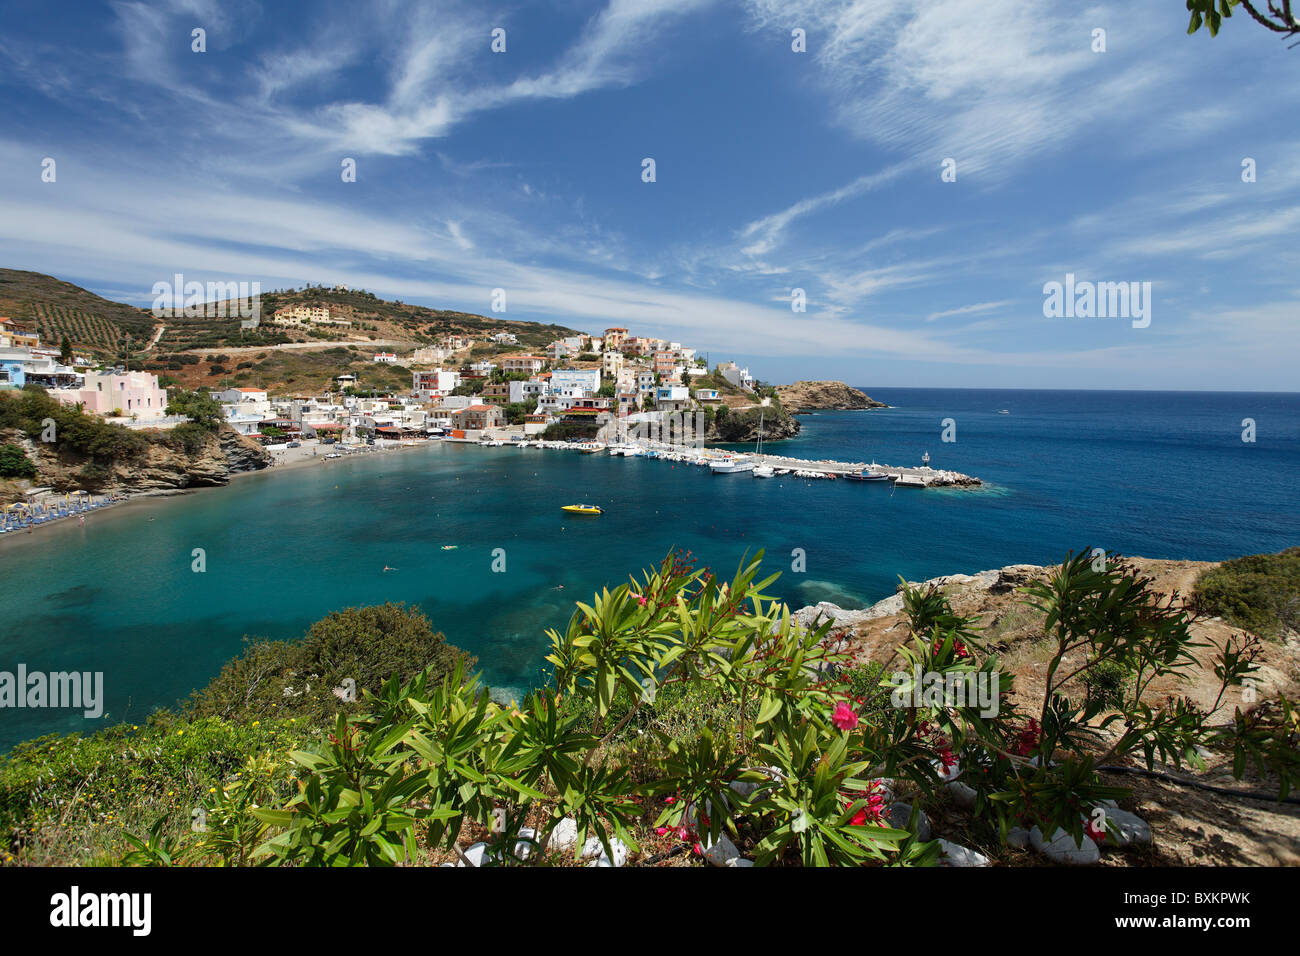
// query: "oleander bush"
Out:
[697,708]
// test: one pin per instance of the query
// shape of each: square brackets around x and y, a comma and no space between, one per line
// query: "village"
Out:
[631,395]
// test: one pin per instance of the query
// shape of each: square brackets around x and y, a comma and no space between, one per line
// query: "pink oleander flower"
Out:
[660,831]
[843,717]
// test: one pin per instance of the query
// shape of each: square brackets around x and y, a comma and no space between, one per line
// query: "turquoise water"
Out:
[1162,475]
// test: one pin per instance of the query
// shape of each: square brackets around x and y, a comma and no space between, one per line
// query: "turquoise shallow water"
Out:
[1163,475]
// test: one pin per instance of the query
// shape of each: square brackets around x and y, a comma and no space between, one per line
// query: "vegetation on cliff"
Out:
[1260,592]
[71,450]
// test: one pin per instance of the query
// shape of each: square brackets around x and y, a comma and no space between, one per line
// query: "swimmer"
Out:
[387,568]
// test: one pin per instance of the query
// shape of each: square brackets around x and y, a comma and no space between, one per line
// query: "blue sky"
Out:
[775,170]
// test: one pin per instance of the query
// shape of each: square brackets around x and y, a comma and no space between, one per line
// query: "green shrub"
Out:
[356,649]
[14,463]
[1260,592]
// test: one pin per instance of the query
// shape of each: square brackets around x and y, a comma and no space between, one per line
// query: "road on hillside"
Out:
[241,349]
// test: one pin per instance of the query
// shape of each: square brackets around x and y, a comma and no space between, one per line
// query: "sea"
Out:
[157,595]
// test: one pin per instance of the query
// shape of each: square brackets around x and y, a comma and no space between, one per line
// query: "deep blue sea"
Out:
[1144,473]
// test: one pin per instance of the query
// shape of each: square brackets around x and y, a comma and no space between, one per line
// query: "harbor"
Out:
[761,464]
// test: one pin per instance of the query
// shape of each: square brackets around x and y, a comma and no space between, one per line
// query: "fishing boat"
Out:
[731,465]
[581,509]
[764,471]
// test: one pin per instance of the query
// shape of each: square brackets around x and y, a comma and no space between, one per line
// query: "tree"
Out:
[14,463]
[356,649]
[199,407]
[1277,17]
[65,350]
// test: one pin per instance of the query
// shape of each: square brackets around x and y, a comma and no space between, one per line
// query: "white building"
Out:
[586,379]
[522,391]
[435,383]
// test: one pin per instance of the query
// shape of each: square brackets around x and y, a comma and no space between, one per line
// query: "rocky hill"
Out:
[809,396]
[1194,827]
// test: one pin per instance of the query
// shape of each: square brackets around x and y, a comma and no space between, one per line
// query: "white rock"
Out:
[1018,837]
[593,849]
[962,795]
[721,852]
[564,836]
[952,854]
[1127,828]
[600,861]
[740,861]
[523,849]
[476,854]
[899,813]
[1061,848]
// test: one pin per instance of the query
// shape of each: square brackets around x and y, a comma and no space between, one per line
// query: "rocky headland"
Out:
[163,463]
[824,396]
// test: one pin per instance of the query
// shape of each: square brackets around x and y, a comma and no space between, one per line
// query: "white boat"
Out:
[731,466]
[764,471]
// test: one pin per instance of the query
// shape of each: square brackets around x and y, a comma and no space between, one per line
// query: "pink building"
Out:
[121,393]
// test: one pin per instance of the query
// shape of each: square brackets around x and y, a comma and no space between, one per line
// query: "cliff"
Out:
[809,396]
[742,426]
[163,461]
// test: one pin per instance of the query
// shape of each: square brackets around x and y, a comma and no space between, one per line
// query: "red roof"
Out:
[479,408]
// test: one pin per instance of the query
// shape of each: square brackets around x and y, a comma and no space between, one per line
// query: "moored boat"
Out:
[731,466]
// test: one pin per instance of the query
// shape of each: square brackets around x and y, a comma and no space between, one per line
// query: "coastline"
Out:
[283,460]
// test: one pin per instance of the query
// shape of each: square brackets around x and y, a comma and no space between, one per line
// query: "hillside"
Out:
[205,351]
[54,308]
[1195,827]
[373,319]
[807,396]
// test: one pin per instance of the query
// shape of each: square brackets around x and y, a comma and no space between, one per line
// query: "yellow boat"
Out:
[581,509]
